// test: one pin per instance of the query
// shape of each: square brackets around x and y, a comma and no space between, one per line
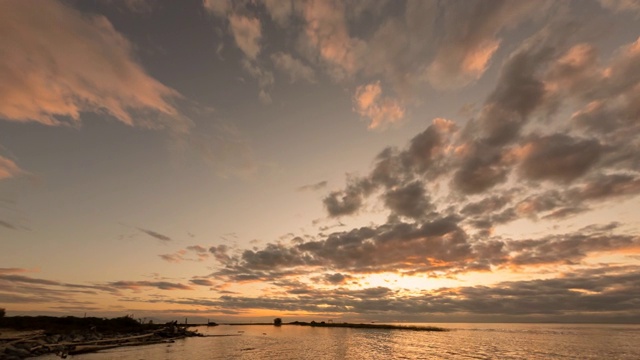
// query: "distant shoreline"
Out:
[352,325]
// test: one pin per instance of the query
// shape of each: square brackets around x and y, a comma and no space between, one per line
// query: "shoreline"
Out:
[370,326]
[349,325]
[26,337]
[37,343]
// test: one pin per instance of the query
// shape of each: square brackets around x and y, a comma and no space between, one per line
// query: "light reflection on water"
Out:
[464,341]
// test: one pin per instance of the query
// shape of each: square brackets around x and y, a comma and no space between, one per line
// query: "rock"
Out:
[53,339]
[16,351]
[10,357]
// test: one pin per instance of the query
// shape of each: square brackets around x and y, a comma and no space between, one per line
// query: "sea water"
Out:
[463,341]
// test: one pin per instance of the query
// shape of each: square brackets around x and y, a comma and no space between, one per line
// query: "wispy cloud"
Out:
[13,270]
[155,235]
[140,285]
[8,225]
[202,282]
[190,253]
[8,168]
[314,187]
[295,68]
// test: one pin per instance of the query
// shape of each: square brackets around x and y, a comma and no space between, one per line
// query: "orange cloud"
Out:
[218,7]
[475,62]
[14,270]
[621,5]
[8,168]
[327,31]
[85,65]
[247,33]
[368,102]
[454,67]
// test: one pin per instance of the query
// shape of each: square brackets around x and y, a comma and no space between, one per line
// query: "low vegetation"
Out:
[370,326]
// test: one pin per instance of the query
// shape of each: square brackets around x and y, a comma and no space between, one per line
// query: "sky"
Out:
[362,160]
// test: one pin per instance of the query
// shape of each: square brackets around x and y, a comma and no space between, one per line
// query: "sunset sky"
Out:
[360,160]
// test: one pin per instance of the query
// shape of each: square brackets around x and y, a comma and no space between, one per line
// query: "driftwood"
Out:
[83,349]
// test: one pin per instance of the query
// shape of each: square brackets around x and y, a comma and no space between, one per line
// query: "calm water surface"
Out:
[464,341]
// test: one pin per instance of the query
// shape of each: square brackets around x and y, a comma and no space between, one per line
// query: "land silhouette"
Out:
[23,337]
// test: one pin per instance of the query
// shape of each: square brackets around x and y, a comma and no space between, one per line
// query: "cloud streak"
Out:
[314,187]
[155,235]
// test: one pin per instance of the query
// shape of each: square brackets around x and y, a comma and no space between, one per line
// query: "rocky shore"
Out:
[57,337]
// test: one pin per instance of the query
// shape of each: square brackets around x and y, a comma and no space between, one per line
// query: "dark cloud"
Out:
[581,292]
[537,203]
[481,171]
[322,228]
[197,248]
[202,282]
[156,235]
[21,299]
[348,201]
[567,249]
[221,253]
[20,279]
[559,157]
[138,285]
[432,245]
[275,256]
[190,253]
[17,288]
[507,109]
[426,148]
[8,225]
[240,273]
[489,204]
[520,94]
[436,248]
[172,258]
[565,212]
[314,187]
[410,201]
[489,220]
[397,173]
[28,280]
[337,278]
[604,187]
[565,202]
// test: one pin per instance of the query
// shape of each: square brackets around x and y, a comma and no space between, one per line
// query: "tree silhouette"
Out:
[2,312]
[277,322]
